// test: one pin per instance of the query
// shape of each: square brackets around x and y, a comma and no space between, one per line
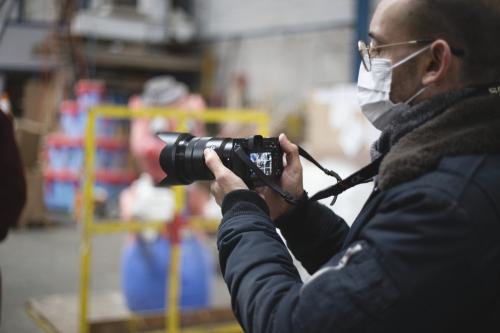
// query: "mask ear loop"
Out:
[404,60]
[411,56]
[411,99]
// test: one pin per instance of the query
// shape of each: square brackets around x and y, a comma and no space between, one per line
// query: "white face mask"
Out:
[374,90]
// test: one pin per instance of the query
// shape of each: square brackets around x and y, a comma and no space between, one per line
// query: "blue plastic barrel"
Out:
[145,274]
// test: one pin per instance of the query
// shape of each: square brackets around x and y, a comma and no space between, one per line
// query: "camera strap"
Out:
[311,159]
[268,181]
[364,175]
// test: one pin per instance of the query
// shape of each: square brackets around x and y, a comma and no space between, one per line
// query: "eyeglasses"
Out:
[365,50]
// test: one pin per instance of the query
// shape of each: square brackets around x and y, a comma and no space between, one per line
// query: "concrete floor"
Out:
[37,263]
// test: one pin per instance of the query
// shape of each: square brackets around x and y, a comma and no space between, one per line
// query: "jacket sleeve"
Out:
[12,181]
[377,283]
[313,232]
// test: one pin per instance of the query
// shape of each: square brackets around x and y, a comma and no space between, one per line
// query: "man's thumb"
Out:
[287,146]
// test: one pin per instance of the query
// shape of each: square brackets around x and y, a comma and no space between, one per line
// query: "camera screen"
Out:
[263,160]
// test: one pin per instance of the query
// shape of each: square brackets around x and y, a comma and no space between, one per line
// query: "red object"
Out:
[63,175]
[63,140]
[144,144]
[112,144]
[146,148]
[115,177]
[102,176]
[175,229]
[69,107]
[89,86]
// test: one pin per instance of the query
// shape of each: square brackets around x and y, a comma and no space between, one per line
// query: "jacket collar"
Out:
[448,125]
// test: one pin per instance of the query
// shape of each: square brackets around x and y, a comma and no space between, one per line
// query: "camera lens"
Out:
[182,158]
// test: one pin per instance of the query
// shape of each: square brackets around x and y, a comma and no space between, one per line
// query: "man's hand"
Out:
[225,180]
[291,180]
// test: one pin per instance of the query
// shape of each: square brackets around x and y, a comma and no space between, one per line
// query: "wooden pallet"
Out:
[59,314]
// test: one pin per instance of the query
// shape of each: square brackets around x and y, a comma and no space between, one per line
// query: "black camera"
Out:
[183,161]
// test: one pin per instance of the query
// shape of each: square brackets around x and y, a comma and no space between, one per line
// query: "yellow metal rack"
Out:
[90,228]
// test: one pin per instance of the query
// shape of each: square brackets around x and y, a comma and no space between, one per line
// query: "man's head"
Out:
[464,49]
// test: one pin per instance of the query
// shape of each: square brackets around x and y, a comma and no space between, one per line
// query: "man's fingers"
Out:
[291,150]
[262,191]
[216,192]
[214,163]
[287,146]
[214,188]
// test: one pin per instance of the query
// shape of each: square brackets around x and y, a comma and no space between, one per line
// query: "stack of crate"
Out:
[65,153]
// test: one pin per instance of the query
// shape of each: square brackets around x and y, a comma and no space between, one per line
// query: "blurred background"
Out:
[294,60]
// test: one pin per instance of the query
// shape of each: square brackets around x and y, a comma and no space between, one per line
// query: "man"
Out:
[424,253]
[12,181]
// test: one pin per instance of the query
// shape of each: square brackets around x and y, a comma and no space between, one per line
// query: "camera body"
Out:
[265,153]
[183,160]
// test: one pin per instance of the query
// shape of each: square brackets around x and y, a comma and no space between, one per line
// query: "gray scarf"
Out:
[451,124]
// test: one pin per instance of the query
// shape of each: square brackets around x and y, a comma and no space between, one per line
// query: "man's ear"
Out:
[439,63]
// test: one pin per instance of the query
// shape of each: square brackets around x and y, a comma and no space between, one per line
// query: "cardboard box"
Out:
[41,99]
[29,143]
[321,139]
[40,104]
[34,212]
[335,125]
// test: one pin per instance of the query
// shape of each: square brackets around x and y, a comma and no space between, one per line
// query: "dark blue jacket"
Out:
[423,256]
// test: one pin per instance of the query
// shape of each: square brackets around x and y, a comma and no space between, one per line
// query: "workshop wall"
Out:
[262,41]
